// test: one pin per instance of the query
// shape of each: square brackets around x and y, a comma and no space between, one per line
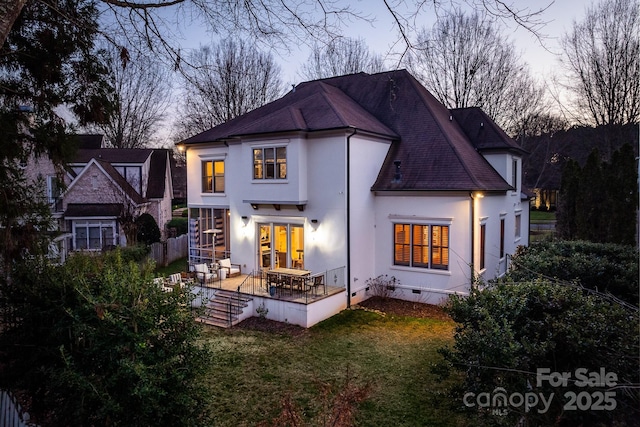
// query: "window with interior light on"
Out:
[213,176]
[421,245]
[270,163]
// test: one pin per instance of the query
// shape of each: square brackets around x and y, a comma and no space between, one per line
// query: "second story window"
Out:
[270,163]
[213,176]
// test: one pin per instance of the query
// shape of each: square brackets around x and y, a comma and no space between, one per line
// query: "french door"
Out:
[281,245]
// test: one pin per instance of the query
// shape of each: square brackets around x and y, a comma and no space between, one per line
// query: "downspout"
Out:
[473,232]
[348,267]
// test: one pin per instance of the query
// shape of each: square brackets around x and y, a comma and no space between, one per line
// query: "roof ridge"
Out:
[325,95]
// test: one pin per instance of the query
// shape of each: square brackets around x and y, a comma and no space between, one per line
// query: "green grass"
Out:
[176,266]
[255,370]
[542,216]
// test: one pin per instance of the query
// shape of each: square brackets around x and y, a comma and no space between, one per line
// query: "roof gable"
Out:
[113,176]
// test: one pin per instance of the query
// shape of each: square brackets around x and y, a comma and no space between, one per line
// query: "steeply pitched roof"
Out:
[157,174]
[433,149]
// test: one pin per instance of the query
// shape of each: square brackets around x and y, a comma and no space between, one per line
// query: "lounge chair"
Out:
[203,274]
[232,269]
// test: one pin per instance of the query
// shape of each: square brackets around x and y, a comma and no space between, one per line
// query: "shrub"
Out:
[605,267]
[136,253]
[148,230]
[382,286]
[112,347]
[180,224]
[507,332]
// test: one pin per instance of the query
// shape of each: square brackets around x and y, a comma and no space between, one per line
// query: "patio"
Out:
[256,284]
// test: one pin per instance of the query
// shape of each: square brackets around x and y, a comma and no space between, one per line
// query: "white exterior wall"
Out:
[434,285]
[325,242]
[315,175]
[491,209]
[366,156]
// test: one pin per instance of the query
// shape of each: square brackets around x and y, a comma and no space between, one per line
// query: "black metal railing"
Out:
[302,289]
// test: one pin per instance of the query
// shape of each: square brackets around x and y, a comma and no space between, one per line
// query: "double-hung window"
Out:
[421,245]
[270,163]
[213,176]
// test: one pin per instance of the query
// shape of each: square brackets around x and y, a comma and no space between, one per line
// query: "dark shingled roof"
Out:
[157,174]
[113,155]
[95,209]
[483,132]
[434,149]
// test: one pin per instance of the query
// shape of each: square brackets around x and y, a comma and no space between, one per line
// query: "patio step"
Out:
[217,309]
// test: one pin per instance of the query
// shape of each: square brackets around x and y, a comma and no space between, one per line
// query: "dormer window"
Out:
[270,163]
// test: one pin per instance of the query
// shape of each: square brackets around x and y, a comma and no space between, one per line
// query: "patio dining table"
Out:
[287,276]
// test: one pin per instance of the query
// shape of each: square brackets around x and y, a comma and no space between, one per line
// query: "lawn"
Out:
[540,216]
[257,367]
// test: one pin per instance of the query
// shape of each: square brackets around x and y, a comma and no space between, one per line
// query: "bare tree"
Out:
[140,97]
[226,80]
[341,56]
[603,63]
[464,61]
[274,22]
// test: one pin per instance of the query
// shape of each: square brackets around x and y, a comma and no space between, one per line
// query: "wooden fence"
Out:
[164,253]
[11,414]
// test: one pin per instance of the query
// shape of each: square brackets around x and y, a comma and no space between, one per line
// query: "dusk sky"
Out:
[381,35]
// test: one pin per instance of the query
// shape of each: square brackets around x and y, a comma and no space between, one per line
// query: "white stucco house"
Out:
[361,176]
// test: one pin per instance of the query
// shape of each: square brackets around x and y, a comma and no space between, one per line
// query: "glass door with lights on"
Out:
[281,245]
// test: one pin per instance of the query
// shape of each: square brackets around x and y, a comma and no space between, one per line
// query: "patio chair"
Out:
[203,274]
[176,280]
[160,282]
[314,283]
[232,269]
[298,283]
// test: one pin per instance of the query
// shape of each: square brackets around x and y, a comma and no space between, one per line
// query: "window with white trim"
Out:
[270,163]
[93,234]
[213,176]
[518,230]
[421,245]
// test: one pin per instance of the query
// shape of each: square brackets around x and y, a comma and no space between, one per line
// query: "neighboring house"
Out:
[366,172]
[102,189]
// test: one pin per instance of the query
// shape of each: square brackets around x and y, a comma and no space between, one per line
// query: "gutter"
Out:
[349,216]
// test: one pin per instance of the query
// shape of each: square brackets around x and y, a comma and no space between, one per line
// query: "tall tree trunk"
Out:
[9,11]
